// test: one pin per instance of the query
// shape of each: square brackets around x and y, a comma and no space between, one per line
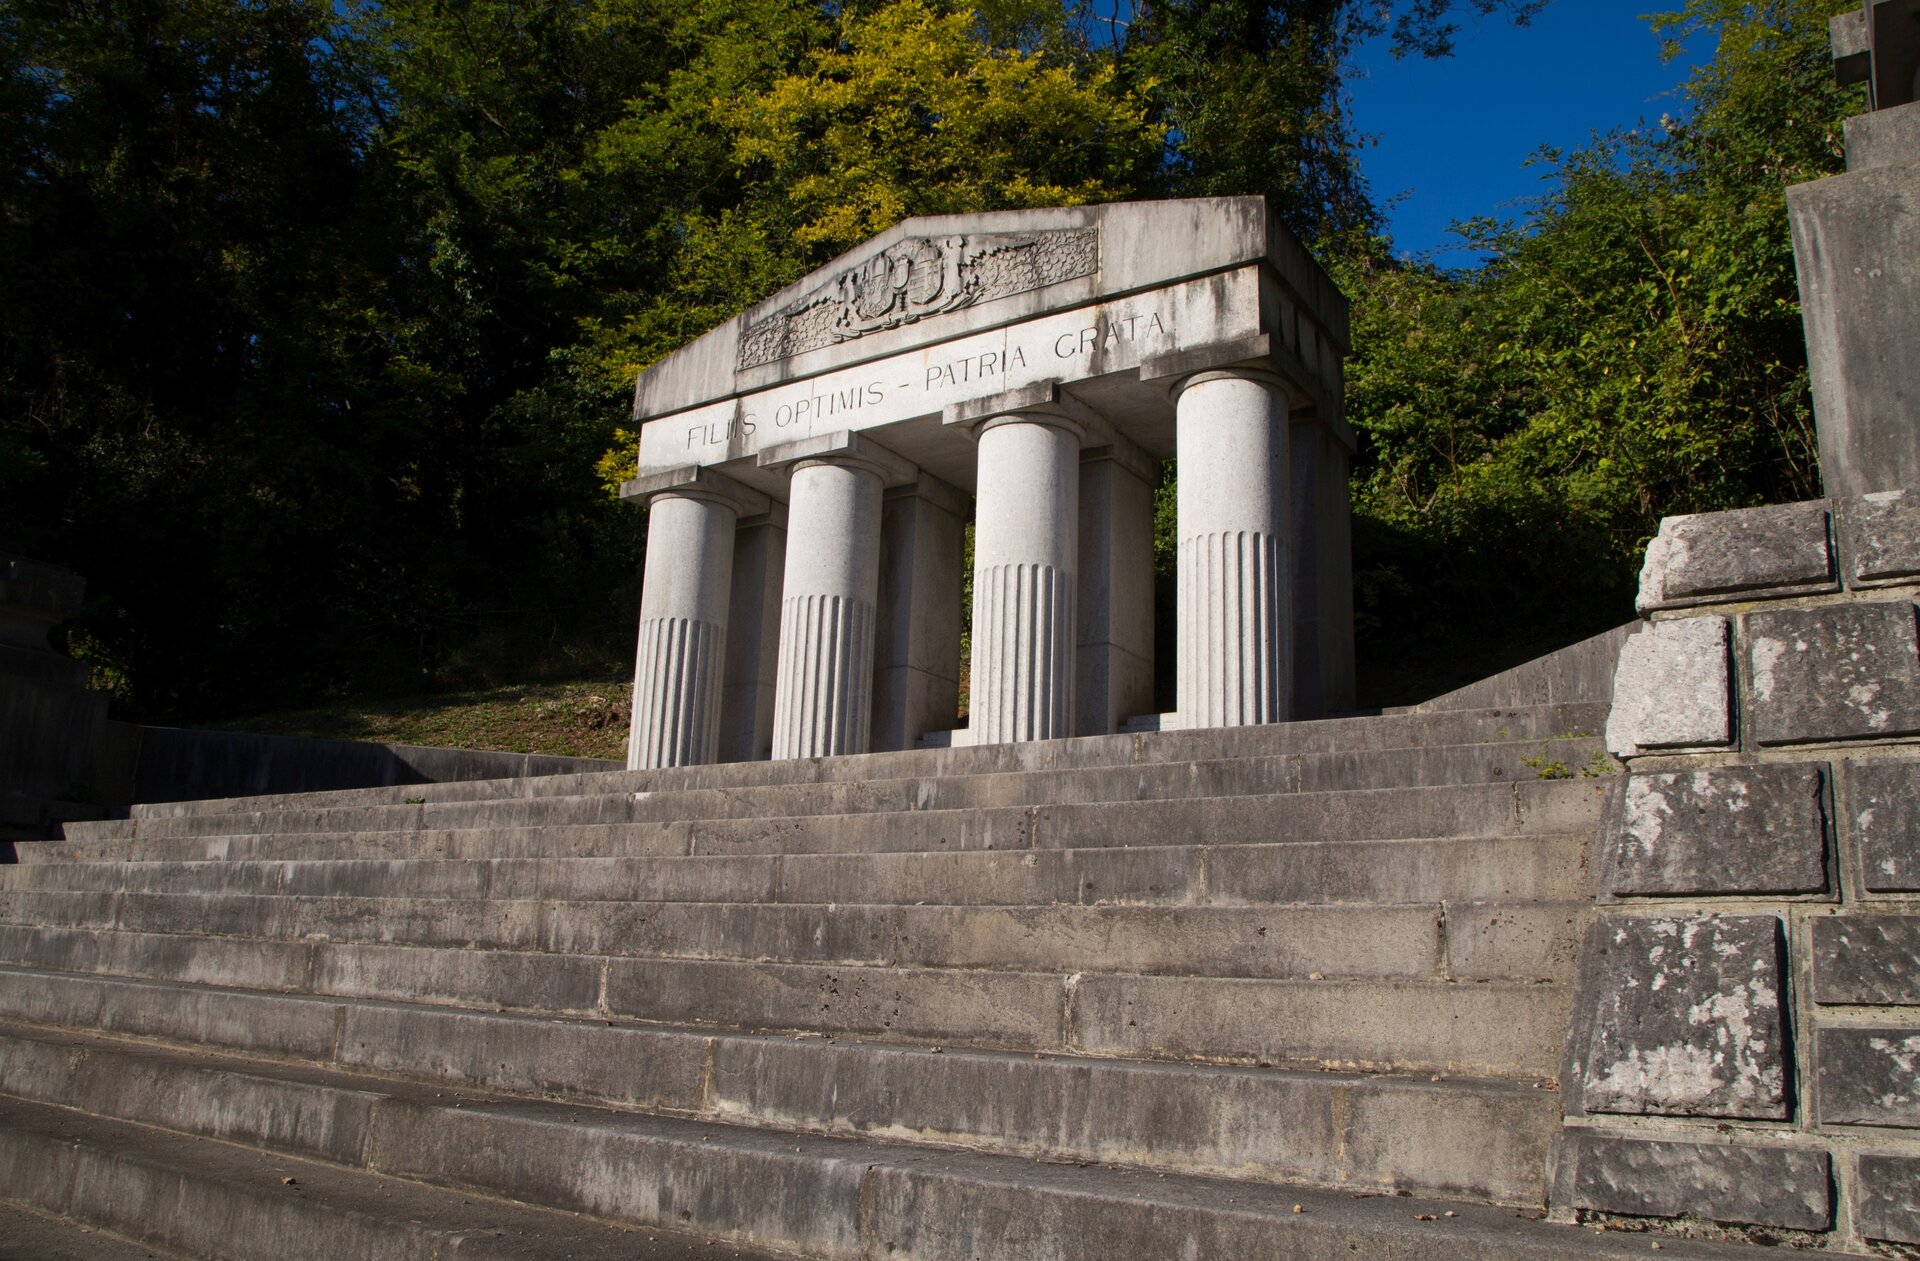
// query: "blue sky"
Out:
[1454,134]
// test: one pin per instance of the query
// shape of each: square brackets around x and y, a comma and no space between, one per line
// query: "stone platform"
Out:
[1127,995]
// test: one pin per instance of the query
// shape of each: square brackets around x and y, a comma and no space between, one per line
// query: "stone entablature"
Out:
[1141,246]
[1039,365]
[1746,1018]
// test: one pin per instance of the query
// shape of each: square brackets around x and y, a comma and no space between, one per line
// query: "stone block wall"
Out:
[1745,1045]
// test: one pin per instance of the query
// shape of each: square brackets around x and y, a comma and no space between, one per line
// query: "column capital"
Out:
[845,447]
[1043,403]
[1169,369]
[1262,356]
[693,482]
[1261,374]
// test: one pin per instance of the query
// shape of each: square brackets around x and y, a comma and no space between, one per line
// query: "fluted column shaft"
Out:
[1235,572]
[823,693]
[683,632]
[1025,553]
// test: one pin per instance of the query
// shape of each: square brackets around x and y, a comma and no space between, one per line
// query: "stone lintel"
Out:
[845,446]
[695,482]
[1785,1187]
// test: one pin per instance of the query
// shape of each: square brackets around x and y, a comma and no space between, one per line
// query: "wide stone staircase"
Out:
[1296,991]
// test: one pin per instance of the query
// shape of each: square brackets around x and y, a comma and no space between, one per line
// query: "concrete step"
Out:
[1536,806]
[1489,1028]
[175,1196]
[817,1196]
[1549,867]
[1334,772]
[1328,736]
[1458,1136]
[1450,941]
[29,1236]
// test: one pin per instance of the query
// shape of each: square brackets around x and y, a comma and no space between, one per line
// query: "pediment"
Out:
[931,279]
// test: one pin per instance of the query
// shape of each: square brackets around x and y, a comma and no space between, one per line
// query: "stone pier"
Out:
[810,466]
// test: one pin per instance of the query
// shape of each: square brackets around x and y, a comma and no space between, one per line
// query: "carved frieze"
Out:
[916,278]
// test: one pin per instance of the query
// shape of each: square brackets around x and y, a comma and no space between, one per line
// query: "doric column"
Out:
[753,637]
[1322,569]
[823,694]
[684,596]
[916,668]
[1114,644]
[1236,577]
[1025,552]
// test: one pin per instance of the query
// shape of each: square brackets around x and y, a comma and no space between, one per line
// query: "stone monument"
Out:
[810,466]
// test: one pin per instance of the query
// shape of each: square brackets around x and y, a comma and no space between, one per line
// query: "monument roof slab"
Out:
[941,317]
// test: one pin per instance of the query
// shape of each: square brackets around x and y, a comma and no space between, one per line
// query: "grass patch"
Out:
[581,719]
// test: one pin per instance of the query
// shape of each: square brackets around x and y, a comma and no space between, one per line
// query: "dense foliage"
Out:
[1630,348]
[320,318]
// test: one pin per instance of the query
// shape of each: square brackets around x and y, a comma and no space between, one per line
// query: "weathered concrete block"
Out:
[1760,1186]
[1883,805]
[1670,689]
[1867,1076]
[1779,549]
[1880,537]
[1846,672]
[1888,136]
[1868,959]
[1680,1016]
[1486,1030]
[1736,829]
[1887,1198]
[1855,239]
[1853,244]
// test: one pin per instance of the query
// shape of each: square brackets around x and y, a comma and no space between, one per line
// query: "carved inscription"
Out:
[917,278]
[919,383]
[789,415]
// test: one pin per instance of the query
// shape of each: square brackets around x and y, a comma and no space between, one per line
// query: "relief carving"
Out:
[916,278]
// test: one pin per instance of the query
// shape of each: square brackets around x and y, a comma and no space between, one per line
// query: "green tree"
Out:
[1631,348]
[184,262]
[904,109]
